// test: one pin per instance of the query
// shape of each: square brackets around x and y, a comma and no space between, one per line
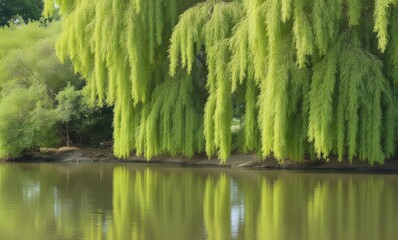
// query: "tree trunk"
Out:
[67,135]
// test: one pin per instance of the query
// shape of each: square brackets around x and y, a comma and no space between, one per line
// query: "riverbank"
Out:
[78,155]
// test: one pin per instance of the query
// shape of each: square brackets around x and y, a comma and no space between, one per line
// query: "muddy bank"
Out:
[74,154]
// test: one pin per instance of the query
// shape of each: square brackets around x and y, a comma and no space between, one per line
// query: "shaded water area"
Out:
[129,201]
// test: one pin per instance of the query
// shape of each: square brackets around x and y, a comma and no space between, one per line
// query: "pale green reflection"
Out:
[357,207]
[352,210]
[271,215]
[156,205]
[216,207]
[126,202]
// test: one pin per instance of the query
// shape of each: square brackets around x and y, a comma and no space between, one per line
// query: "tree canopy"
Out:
[317,77]
[27,9]
[38,95]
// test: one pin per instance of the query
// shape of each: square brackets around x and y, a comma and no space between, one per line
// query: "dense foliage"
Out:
[27,9]
[317,77]
[39,96]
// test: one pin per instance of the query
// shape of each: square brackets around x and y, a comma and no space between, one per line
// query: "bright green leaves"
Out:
[120,48]
[325,23]
[223,106]
[171,123]
[186,35]
[49,8]
[349,84]
[392,50]
[321,104]
[381,16]
[239,64]
[204,24]
[302,32]
[65,6]
[286,9]
[210,24]
[309,74]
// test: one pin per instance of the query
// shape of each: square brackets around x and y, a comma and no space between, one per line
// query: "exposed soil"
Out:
[76,154]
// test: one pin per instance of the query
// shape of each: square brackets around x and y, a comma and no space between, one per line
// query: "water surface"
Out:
[116,201]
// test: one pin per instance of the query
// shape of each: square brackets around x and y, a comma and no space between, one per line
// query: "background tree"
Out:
[38,93]
[84,124]
[68,100]
[27,9]
[26,121]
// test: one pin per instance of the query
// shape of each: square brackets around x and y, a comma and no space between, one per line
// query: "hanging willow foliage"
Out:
[209,24]
[318,76]
[120,47]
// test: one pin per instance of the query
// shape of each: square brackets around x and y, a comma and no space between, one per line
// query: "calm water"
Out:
[110,201]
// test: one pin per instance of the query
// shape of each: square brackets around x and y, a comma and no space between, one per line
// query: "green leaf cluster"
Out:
[26,121]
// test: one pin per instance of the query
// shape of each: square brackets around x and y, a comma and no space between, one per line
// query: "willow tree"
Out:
[318,77]
[120,47]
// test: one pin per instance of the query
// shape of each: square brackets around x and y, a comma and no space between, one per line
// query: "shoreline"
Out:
[246,161]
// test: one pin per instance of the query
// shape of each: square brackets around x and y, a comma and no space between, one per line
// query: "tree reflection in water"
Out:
[127,202]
